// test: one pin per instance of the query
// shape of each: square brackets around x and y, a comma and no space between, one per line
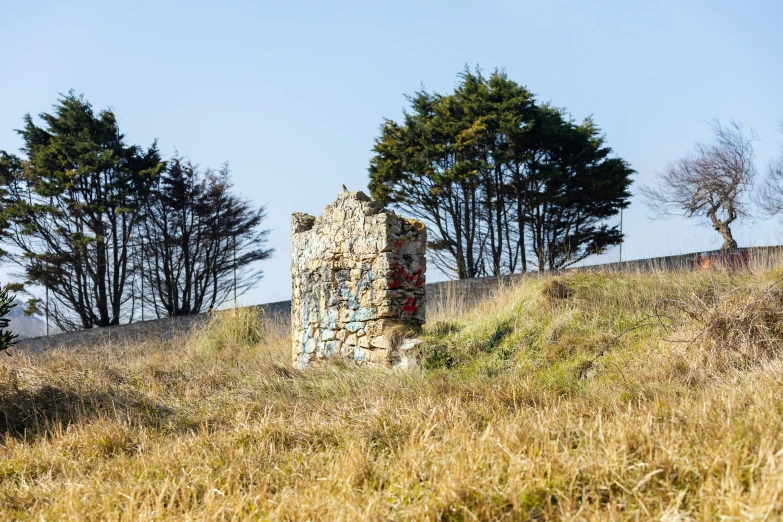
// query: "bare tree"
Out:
[770,197]
[200,242]
[713,182]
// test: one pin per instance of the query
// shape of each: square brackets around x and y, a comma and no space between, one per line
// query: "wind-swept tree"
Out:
[491,173]
[770,198]
[199,241]
[574,185]
[426,167]
[713,182]
[445,164]
[70,208]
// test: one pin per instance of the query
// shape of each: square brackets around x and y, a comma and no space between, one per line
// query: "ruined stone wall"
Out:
[357,271]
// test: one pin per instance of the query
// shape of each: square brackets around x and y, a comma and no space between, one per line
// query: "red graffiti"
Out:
[410,306]
[400,276]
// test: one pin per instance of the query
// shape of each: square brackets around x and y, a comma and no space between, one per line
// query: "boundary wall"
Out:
[467,291]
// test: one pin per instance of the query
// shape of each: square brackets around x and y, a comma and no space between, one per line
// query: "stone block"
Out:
[381,342]
[358,268]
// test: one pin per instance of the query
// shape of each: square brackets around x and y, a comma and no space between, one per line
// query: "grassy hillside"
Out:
[600,396]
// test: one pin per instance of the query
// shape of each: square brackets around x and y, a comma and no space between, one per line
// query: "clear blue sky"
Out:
[292,93]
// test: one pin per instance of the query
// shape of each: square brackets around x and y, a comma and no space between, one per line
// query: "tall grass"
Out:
[586,396]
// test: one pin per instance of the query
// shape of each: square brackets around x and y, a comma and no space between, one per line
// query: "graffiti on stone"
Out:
[357,271]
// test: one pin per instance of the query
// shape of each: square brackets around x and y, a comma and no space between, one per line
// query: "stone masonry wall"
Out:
[357,271]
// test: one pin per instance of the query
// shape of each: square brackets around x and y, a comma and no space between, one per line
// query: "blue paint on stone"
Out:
[354,326]
[331,348]
[331,315]
[364,314]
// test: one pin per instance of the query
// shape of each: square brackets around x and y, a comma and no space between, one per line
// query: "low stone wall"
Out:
[134,333]
[357,271]
[467,292]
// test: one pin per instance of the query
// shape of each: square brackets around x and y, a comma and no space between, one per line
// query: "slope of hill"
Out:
[585,396]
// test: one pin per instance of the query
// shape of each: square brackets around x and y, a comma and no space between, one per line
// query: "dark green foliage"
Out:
[442,349]
[573,185]
[439,357]
[6,303]
[71,208]
[197,235]
[500,333]
[494,174]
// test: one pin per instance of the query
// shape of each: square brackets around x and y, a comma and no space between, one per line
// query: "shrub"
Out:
[7,338]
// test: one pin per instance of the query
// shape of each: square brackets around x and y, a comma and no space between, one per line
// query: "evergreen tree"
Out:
[71,208]
[7,338]
[493,174]
[574,186]
[200,241]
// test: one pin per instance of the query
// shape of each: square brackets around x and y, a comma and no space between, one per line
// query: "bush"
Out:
[7,338]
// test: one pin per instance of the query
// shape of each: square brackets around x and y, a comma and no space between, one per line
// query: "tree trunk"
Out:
[722,227]
[728,241]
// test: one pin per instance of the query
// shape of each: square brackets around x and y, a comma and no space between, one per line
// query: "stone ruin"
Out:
[358,273]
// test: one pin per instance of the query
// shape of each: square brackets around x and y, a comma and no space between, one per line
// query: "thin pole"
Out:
[621,234]
[142,278]
[51,203]
[235,272]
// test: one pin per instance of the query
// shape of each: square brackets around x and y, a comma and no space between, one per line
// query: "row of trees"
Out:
[508,184]
[93,220]
[504,183]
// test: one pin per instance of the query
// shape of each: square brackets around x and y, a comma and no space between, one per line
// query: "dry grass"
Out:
[582,397]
